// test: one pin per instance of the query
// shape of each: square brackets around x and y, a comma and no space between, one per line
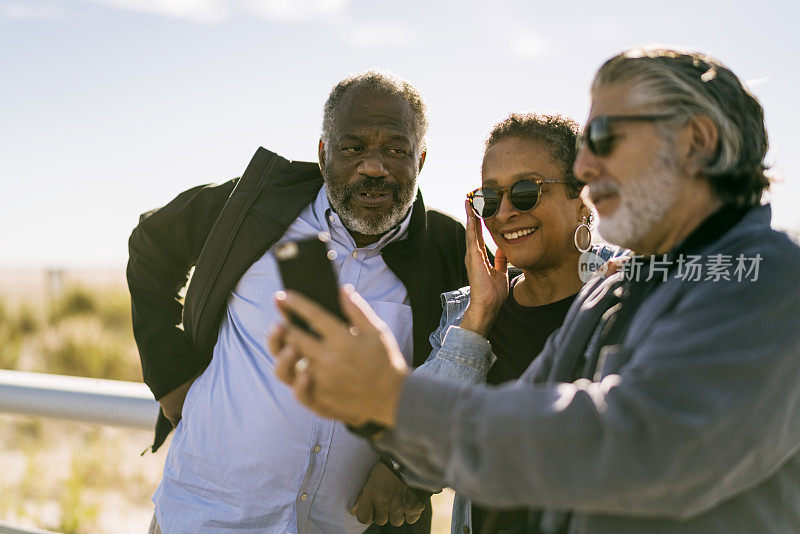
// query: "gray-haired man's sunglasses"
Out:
[597,135]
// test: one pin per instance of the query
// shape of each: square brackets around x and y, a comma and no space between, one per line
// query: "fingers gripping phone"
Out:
[305,267]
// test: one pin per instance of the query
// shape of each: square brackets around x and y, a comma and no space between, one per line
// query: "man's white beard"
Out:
[643,202]
[376,224]
[403,197]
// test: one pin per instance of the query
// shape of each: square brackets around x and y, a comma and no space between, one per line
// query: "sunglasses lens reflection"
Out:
[598,137]
[486,202]
[524,195]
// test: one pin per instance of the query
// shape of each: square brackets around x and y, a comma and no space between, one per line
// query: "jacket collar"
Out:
[417,230]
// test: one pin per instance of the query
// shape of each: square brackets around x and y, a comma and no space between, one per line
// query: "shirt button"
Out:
[317,448]
[304,497]
[332,255]
[355,254]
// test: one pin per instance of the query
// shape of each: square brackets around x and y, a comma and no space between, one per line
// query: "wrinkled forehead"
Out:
[364,110]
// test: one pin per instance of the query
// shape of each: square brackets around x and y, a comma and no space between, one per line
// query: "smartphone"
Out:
[305,266]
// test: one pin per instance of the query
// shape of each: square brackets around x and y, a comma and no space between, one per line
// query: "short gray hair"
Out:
[382,82]
[688,83]
[556,132]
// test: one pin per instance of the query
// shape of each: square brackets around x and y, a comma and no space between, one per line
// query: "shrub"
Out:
[9,347]
[26,320]
[75,300]
[15,326]
[83,346]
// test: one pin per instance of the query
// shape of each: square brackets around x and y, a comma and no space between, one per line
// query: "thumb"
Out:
[353,509]
[500,261]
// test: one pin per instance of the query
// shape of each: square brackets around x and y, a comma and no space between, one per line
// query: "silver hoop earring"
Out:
[588,237]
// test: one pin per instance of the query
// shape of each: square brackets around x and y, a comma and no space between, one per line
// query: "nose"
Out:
[506,211]
[372,165]
[586,167]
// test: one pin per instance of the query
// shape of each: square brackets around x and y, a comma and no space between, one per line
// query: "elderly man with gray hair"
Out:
[669,400]
[246,456]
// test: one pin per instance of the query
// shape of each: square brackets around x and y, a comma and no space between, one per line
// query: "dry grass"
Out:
[82,332]
[72,477]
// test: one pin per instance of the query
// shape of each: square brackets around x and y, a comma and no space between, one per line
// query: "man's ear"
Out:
[421,161]
[703,138]
[321,155]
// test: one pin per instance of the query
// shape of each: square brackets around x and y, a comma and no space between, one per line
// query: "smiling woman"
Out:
[529,201]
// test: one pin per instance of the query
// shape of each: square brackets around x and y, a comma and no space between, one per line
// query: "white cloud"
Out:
[198,10]
[217,10]
[28,10]
[375,36]
[295,10]
[528,45]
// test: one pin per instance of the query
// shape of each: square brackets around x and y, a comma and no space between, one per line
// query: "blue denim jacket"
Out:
[457,361]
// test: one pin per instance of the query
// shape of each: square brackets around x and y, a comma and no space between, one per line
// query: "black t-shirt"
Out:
[517,337]
[519,334]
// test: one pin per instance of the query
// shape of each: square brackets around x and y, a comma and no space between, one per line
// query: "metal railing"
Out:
[8,528]
[93,400]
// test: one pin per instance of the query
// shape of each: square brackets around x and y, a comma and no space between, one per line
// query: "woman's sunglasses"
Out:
[524,196]
[597,135]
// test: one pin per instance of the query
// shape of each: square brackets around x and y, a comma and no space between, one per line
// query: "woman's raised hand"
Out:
[488,283]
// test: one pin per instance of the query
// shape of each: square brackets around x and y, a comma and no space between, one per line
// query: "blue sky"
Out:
[111,107]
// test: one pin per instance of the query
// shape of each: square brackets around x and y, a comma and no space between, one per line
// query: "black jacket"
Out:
[221,230]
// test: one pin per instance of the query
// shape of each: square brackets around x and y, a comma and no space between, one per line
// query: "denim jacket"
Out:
[454,360]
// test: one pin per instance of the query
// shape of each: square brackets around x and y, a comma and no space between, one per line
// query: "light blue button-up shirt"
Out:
[246,455]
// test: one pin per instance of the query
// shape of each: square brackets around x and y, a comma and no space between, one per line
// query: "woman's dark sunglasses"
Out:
[524,196]
[597,135]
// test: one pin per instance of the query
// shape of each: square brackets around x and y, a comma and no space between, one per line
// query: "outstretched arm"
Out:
[703,409]
[700,413]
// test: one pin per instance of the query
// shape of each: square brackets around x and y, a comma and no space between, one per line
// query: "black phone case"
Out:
[304,267]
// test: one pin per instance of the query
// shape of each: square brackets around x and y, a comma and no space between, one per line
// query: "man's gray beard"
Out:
[371,224]
[643,202]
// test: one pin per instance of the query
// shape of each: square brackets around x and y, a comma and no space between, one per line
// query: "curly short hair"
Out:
[556,132]
[381,82]
[687,83]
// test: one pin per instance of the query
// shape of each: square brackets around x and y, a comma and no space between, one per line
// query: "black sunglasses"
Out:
[597,134]
[524,195]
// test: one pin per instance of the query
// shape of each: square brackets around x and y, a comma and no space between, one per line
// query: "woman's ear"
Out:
[584,213]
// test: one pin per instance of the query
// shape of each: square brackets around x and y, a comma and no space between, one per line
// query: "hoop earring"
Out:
[588,237]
